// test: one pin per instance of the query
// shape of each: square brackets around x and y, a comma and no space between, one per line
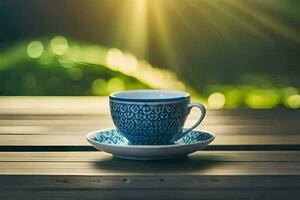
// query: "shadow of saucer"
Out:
[181,165]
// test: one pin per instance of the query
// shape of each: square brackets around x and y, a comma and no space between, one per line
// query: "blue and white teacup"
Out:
[152,117]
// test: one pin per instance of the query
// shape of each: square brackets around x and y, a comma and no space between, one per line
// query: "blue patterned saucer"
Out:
[111,141]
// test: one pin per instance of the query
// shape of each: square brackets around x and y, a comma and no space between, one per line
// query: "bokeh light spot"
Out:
[260,99]
[288,93]
[115,84]
[99,87]
[59,45]
[114,57]
[294,101]
[35,49]
[118,60]
[216,100]
[129,63]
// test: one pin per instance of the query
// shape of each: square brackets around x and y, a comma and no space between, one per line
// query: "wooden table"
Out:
[44,155]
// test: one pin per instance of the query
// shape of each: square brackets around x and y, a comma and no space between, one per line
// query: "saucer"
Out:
[111,141]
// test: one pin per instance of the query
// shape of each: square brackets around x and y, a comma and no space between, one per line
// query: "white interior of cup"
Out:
[149,95]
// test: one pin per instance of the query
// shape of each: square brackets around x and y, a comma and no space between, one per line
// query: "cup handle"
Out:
[202,115]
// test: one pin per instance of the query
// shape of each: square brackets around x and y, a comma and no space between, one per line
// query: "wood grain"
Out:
[99,105]
[149,187]
[64,121]
[200,163]
[220,156]
[68,128]
[164,181]
[56,125]
[79,140]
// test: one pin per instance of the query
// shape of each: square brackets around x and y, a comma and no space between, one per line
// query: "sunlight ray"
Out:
[121,23]
[132,27]
[267,21]
[202,8]
[208,22]
[165,34]
[230,13]
[137,29]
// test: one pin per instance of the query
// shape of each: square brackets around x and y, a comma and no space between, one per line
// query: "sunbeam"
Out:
[132,27]
[266,20]
[226,12]
[207,21]
[164,32]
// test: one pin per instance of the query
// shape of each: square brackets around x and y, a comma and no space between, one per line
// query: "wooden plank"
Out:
[48,119]
[111,167]
[53,105]
[54,121]
[149,187]
[198,164]
[93,112]
[79,140]
[60,121]
[83,129]
[170,182]
[220,156]
[95,105]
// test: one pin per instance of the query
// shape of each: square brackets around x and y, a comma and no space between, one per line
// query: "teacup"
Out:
[152,117]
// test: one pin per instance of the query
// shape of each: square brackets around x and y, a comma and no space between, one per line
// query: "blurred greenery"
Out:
[226,53]
[33,70]
[60,66]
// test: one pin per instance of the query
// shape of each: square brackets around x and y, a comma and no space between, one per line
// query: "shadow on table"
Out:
[180,165]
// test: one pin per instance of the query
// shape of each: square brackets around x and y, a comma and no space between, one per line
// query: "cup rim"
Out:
[149,95]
